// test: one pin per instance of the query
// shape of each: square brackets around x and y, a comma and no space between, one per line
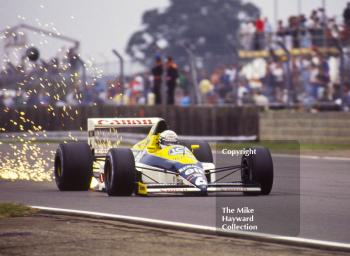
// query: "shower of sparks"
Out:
[106,138]
[25,158]
[26,161]
[22,157]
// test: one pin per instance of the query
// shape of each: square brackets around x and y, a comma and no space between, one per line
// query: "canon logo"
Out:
[125,122]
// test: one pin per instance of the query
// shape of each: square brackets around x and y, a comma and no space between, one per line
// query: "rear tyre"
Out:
[203,153]
[257,169]
[120,172]
[73,166]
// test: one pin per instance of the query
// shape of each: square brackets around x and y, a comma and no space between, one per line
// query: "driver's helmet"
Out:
[167,138]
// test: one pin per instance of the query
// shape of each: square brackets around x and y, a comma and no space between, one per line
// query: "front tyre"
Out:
[120,172]
[257,169]
[73,166]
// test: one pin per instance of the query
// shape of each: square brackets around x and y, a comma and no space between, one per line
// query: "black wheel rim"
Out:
[108,174]
[59,171]
[245,170]
[58,168]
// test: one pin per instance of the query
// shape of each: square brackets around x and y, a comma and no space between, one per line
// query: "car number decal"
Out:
[177,151]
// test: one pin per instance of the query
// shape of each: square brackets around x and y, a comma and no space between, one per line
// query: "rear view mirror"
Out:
[151,148]
[195,146]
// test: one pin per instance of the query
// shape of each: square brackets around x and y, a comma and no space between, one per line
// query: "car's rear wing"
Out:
[103,134]
[121,122]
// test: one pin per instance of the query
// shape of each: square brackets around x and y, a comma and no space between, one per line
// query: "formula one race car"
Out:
[153,165]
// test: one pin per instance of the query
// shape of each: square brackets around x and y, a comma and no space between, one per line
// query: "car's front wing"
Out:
[159,188]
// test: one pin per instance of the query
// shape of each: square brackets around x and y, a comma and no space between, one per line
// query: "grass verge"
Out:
[277,147]
[15,210]
[289,147]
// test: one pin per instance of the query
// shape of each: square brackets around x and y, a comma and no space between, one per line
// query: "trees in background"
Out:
[209,28]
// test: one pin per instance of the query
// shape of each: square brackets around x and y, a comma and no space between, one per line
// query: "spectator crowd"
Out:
[276,80]
[298,31]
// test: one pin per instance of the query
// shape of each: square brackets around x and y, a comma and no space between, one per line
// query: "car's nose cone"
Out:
[203,188]
[201,181]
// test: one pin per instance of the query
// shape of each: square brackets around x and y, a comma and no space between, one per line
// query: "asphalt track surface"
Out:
[314,205]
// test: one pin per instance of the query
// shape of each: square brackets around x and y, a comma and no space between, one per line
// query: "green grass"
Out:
[6,142]
[287,147]
[15,210]
[325,146]
[46,141]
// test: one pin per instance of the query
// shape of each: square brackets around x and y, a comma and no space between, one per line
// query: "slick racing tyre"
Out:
[120,172]
[203,153]
[73,166]
[257,169]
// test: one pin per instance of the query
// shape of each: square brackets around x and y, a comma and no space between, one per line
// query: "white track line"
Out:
[318,244]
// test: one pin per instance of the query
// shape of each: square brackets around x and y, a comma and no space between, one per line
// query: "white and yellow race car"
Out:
[186,167]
